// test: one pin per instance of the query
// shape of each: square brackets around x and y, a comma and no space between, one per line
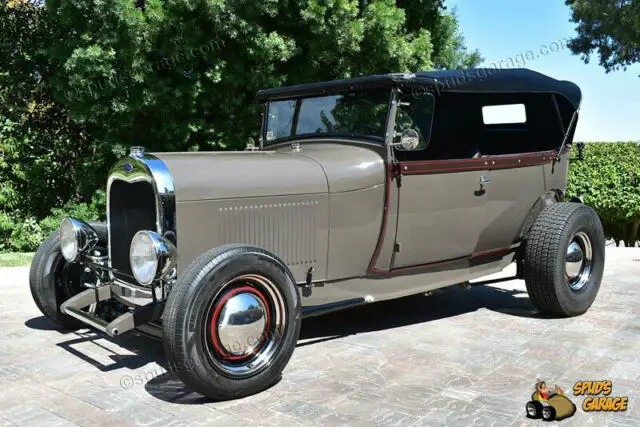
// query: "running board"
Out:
[123,323]
[319,310]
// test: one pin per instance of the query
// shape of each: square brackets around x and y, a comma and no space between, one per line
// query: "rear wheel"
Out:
[232,322]
[53,280]
[564,259]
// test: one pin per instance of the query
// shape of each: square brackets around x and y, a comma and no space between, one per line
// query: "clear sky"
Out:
[506,30]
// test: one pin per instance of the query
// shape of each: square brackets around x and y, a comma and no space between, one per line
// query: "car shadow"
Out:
[43,323]
[144,349]
[444,303]
[422,308]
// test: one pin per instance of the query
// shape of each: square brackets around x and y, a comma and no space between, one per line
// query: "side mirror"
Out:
[409,141]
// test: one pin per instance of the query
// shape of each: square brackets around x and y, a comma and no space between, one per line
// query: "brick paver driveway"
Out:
[458,357]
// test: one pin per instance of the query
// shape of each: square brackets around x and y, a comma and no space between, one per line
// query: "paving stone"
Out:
[455,358]
[35,416]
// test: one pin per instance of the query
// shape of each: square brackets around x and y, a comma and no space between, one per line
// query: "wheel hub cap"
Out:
[245,325]
[242,323]
[578,261]
[574,260]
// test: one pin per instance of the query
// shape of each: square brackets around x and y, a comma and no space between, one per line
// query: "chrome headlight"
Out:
[76,238]
[151,256]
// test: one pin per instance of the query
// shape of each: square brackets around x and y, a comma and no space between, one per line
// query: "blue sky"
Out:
[505,30]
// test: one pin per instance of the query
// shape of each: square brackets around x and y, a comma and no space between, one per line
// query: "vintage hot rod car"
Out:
[360,190]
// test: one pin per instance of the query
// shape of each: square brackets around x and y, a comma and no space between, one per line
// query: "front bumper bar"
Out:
[135,317]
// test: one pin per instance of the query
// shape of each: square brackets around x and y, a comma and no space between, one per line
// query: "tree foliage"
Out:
[609,181]
[183,74]
[609,27]
[82,80]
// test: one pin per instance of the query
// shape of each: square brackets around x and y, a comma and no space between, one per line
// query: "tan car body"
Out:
[350,216]
[335,207]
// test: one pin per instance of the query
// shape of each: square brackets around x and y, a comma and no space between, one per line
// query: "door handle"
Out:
[484,180]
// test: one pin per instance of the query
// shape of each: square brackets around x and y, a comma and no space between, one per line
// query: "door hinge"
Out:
[396,247]
[397,173]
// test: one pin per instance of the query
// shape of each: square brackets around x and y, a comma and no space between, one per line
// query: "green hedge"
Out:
[25,234]
[609,181]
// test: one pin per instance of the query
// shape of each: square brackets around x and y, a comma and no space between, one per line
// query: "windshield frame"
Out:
[378,140]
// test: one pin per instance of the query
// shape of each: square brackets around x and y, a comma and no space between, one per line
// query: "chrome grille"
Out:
[132,207]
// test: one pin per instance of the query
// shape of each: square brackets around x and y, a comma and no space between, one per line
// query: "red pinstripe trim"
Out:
[485,163]
[385,216]
[429,265]
[448,261]
[216,314]
[489,252]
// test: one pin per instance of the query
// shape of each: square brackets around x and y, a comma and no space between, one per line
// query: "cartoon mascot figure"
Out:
[549,405]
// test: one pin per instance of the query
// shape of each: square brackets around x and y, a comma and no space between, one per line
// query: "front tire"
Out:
[232,322]
[564,256]
[53,280]
[548,413]
[534,409]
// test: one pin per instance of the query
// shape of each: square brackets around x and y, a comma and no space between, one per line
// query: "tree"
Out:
[610,27]
[183,74]
[82,80]
[38,168]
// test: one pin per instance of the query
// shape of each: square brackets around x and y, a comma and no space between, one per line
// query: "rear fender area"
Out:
[548,198]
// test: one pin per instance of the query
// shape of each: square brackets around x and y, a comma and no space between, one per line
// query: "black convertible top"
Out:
[477,80]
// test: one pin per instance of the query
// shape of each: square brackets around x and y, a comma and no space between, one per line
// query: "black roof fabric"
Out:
[477,80]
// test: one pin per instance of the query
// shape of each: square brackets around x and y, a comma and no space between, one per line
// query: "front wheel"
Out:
[534,409]
[53,280]
[564,259]
[548,413]
[232,322]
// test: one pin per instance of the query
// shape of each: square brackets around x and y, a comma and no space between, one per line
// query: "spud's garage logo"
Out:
[597,388]
[549,404]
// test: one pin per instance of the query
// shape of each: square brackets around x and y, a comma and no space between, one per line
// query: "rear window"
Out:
[504,114]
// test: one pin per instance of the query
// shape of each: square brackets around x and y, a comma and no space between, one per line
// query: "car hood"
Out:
[314,168]
[224,175]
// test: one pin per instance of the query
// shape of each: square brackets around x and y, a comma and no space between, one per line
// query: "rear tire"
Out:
[564,255]
[232,321]
[53,280]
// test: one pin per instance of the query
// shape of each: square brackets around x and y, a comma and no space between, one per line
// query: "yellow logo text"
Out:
[597,388]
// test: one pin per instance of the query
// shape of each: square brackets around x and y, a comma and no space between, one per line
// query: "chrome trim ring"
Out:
[244,325]
[578,261]
[84,235]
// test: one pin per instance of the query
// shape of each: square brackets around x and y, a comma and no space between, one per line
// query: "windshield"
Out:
[362,113]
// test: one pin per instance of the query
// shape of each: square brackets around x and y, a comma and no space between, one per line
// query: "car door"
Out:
[517,184]
[518,149]
[441,191]
[440,212]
